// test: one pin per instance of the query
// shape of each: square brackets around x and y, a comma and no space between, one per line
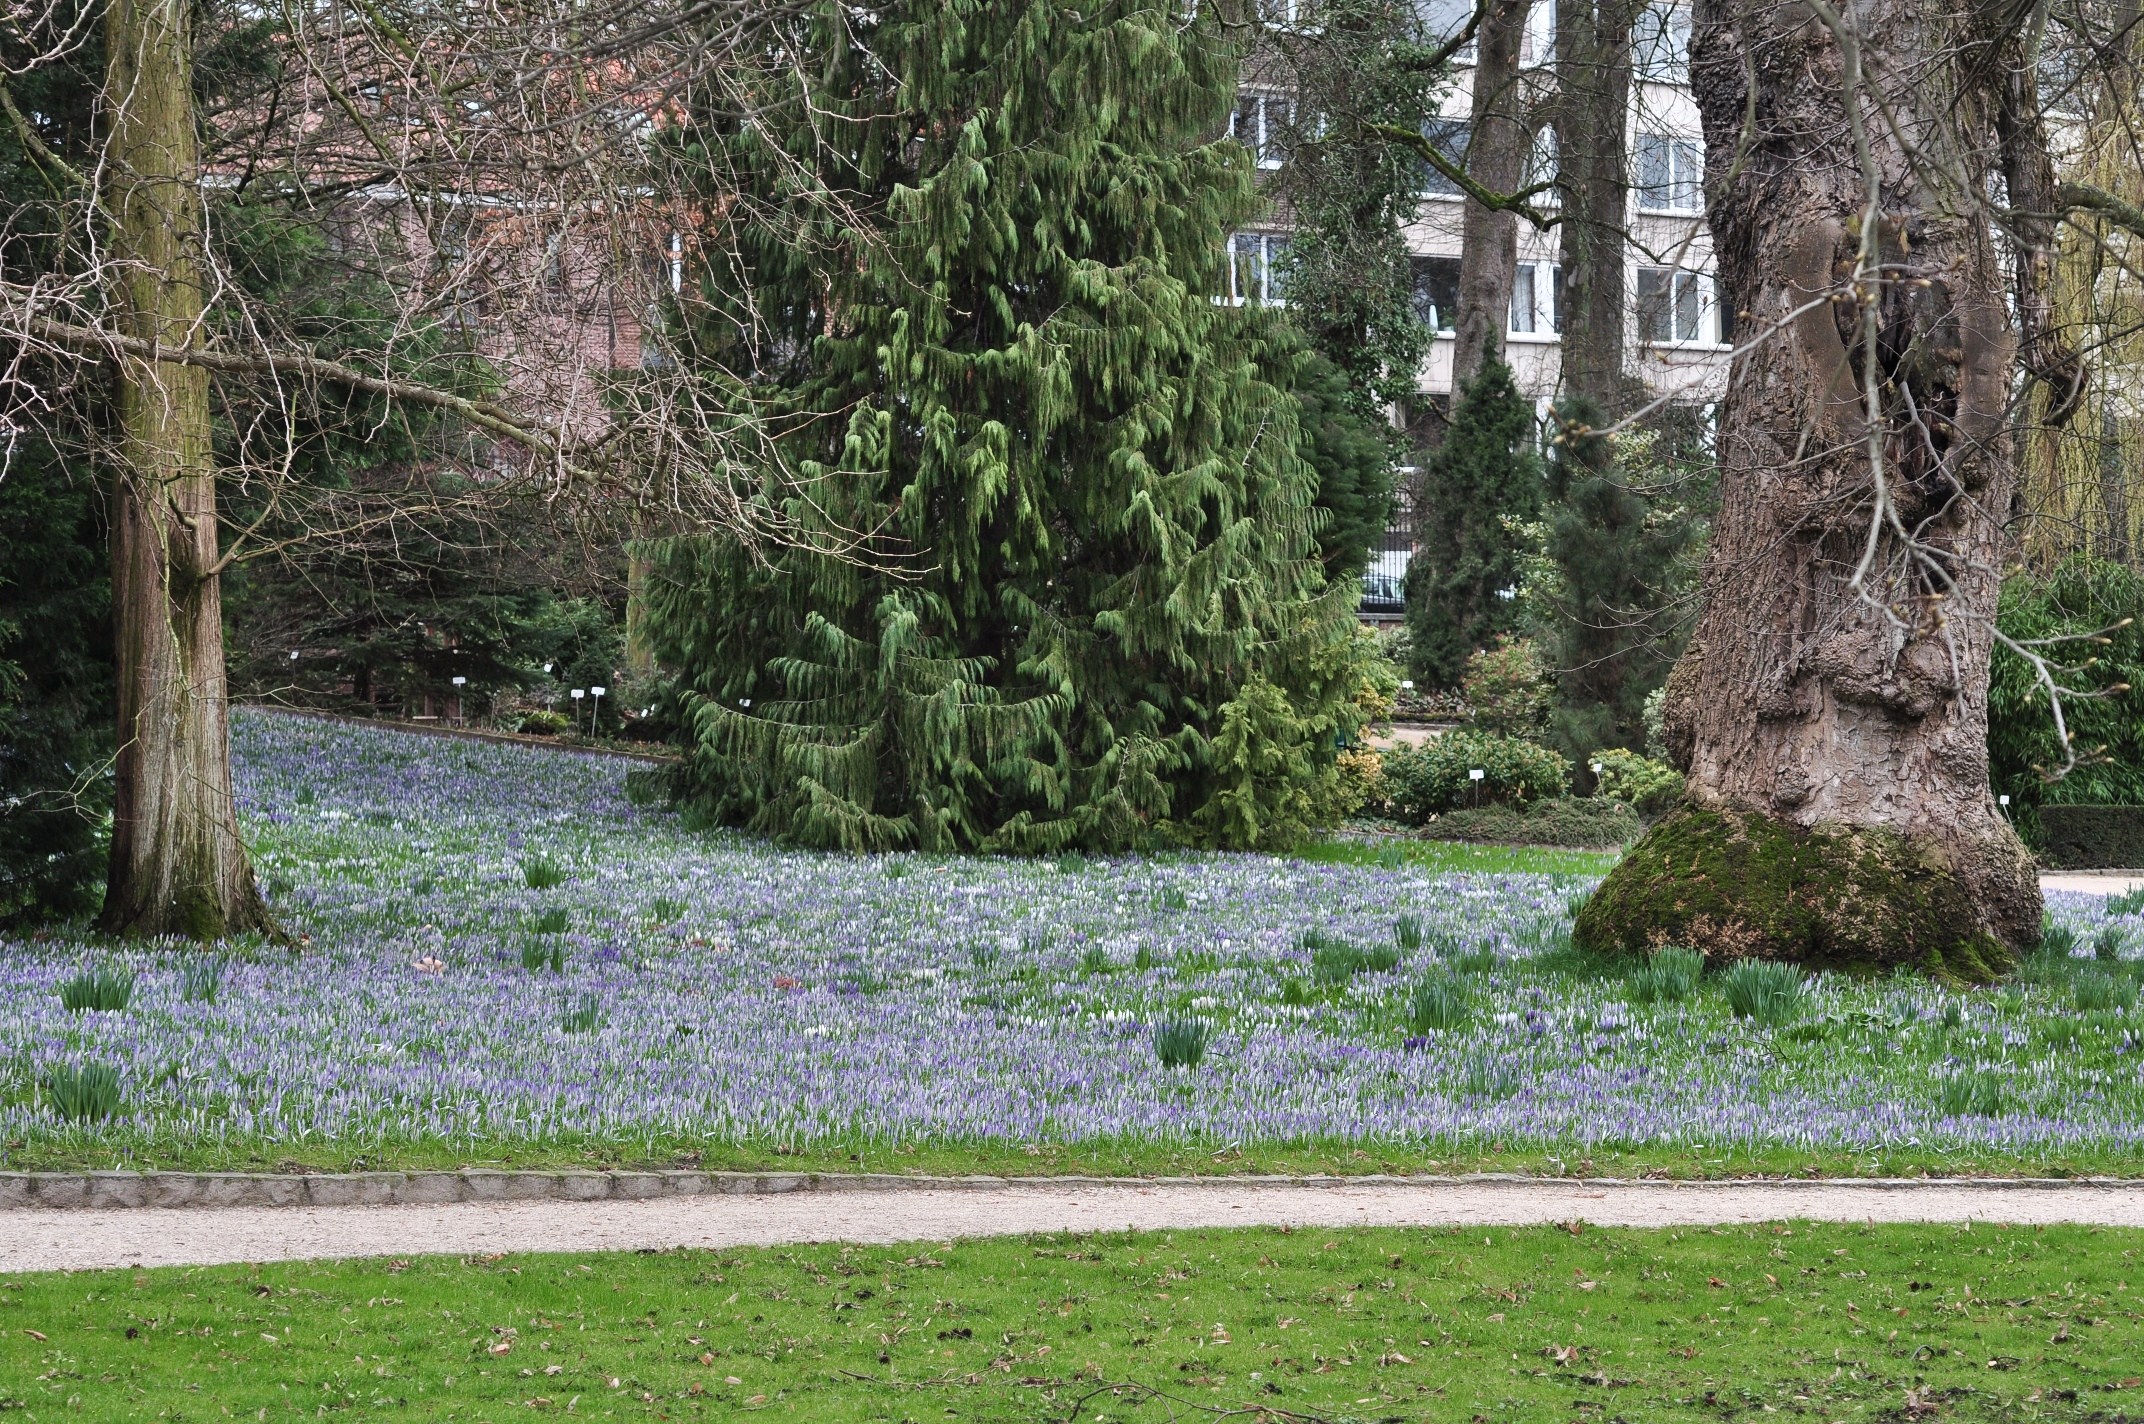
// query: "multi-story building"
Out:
[1678,332]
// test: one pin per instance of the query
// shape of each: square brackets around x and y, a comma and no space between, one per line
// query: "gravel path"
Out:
[76,1240]
[2092,882]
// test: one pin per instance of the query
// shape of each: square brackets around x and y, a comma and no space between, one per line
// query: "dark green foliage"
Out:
[1351,452]
[97,990]
[1407,933]
[1669,977]
[583,1014]
[1971,1093]
[539,953]
[2092,837]
[2081,598]
[1738,885]
[540,872]
[1334,961]
[1349,190]
[2130,902]
[1420,782]
[2107,945]
[1581,823]
[56,685]
[1436,1005]
[1613,626]
[201,979]
[1110,624]
[1486,476]
[1764,990]
[1181,1043]
[88,1093]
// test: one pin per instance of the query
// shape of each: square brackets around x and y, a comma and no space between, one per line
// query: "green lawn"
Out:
[1809,1322]
[1392,853]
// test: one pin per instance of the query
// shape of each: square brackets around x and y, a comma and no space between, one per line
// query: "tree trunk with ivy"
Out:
[177,863]
[1831,711]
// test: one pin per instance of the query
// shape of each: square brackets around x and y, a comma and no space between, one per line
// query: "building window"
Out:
[1673,306]
[1449,138]
[1671,174]
[1260,123]
[1441,20]
[1436,291]
[1255,274]
[1537,42]
[1542,168]
[1537,298]
[1660,44]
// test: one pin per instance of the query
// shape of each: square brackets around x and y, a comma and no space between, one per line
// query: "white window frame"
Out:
[1680,279]
[1264,143]
[1685,175]
[1537,41]
[1660,44]
[1269,246]
[1535,319]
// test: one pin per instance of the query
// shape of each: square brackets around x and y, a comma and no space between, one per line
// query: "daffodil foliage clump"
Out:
[1090,611]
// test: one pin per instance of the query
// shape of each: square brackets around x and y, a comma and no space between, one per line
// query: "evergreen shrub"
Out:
[1109,623]
[1420,782]
[1648,786]
[2082,597]
[1506,688]
[1479,487]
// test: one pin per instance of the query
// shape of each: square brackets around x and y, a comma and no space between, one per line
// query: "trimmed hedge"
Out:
[1577,823]
[1420,782]
[2092,837]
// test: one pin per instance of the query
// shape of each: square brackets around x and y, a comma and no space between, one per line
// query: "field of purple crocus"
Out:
[502,951]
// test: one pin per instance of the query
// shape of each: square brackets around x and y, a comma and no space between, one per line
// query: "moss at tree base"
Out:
[1738,885]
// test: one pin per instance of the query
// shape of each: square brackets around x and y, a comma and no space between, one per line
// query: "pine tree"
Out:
[1484,480]
[1110,621]
[1613,630]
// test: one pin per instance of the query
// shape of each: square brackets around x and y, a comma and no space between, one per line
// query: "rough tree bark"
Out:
[1832,709]
[177,864]
[1497,147]
[1593,164]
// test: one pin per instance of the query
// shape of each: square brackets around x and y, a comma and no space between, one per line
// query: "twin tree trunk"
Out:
[1496,158]
[1835,731]
[177,864]
[1593,173]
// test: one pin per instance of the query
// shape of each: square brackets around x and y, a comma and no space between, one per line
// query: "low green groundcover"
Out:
[1588,823]
[1812,1322]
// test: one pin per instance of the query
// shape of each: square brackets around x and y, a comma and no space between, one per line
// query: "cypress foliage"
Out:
[1482,482]
[1351,455]
[1111,622]
[1611,636]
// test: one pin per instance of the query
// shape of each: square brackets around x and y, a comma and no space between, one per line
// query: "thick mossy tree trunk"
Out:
[177,864]
[1832,708]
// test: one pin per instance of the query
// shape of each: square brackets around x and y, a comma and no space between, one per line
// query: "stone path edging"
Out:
[61,1191]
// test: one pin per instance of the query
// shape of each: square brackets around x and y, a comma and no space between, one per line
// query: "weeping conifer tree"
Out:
[1110,622]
